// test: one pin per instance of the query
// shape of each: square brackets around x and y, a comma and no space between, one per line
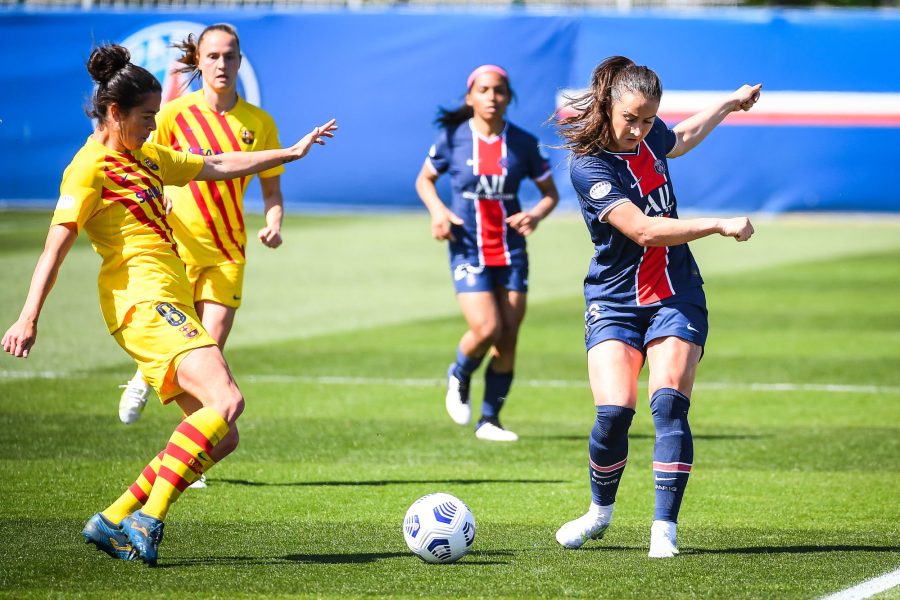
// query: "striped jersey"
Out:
[485,174]
[208,216]
[621,271]
[117,198]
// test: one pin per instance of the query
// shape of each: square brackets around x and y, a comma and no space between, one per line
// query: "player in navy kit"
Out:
[487,158]
[643,291]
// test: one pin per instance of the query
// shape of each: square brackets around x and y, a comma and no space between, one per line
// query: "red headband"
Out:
[485,69]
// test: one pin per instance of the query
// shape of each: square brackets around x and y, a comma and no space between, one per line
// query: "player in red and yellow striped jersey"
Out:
[208,216]
[113,190]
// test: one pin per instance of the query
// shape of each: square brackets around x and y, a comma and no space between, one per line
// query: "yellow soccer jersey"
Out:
[116,197]
[208,216]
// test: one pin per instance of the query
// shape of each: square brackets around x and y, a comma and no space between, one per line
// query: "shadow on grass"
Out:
[648,436]
[791,549]
[381,482]
[340,558]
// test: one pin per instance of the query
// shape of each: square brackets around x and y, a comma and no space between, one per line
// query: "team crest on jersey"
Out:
[600,190]
[151,48]
[151,165]
[247,136]
[660,166]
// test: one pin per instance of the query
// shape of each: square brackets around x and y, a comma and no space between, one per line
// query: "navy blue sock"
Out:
[496,387]
[464,366]
[673,453]
[608,449]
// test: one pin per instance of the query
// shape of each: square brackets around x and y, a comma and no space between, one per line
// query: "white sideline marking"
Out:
[535,383]
[869,588]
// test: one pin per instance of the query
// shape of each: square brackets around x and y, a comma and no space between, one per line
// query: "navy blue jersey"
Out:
[485,174]
[623,272]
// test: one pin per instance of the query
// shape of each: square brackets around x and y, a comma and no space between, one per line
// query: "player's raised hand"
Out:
[441,225]
[19,338]
[316,136]
[523,222]
[739,228]
[746,96]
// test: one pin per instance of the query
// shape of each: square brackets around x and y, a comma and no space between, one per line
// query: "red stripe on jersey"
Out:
[174,478]
[489,155]
[235,146]
[138,492]
[491,218]
[155,204]
[139,214]
[652,276]
[193,434]
[642,165]
[182,124]
[213,188]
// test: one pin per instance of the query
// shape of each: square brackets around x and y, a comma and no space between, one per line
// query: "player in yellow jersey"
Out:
[113,190]
[208,217]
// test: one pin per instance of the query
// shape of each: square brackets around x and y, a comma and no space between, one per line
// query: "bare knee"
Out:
[227,444]
[488,333]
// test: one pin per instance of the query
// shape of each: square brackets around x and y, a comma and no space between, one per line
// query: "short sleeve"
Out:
[538,163]
[175,168]
[439,154]
[668,135]
[78,197]
[597,185]
[271,142]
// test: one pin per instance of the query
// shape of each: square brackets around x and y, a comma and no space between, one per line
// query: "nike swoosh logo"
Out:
[691,328]
[637,181]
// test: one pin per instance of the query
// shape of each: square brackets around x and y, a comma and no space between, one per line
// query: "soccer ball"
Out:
[439,528]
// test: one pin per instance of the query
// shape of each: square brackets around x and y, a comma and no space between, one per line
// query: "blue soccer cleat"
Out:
[108,537]
[145,534]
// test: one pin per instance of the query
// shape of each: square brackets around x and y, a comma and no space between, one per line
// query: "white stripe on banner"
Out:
[832,388]
[869,588]
[783,108]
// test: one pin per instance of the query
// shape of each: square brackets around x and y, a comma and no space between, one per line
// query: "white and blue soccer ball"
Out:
[439,528]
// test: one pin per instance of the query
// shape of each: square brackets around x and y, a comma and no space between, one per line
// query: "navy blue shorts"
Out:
[637,326]
[472,277]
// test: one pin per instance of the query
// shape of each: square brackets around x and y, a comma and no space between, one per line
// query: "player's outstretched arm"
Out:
[693,130]
[20,337]
[662,231]
[441,216]
[237,164]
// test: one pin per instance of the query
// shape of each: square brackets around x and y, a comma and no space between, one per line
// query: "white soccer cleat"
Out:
[457,400]
[133,399]
[490,432]
[200,484]
[590,526]
[662,540]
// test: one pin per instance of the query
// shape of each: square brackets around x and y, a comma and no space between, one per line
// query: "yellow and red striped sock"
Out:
[186,457]
[135,496]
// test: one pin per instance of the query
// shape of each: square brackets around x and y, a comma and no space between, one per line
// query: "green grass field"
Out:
[341,348]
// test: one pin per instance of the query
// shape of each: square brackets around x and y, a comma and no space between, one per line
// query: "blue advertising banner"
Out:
[823,137]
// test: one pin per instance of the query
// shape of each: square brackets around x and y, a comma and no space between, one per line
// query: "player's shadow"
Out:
[380,482]
[479,557]
[805,549]
[715,437]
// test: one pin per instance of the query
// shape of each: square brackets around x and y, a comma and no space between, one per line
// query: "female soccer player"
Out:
[643,291]
[113,189]
[487,158]
[208,217]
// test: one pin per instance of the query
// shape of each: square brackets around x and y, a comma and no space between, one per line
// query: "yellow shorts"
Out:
[222,284]
[158,335]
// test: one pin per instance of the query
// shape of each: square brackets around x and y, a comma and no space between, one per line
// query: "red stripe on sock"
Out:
[174,478]
[189,460]
[193,434]
[138,492]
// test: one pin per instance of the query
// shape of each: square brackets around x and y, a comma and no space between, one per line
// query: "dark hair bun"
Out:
[106,61]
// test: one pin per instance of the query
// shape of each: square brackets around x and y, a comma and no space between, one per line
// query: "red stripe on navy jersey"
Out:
[642,165]
[492,233]
[675,467]
[488,156]
[174,478]
[193,434]
[652,276]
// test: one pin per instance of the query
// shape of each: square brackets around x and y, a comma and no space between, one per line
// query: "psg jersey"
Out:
[485,174]
[621,271]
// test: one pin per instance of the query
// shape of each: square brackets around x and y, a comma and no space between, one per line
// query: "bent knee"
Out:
[489,332]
